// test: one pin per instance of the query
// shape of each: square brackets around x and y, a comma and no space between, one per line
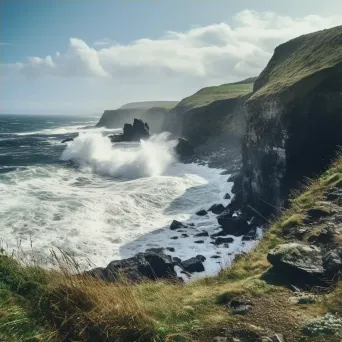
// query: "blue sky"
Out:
[122,51]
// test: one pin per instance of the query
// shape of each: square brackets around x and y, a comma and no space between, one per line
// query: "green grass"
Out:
[210,94]
[298,59]
[150,104]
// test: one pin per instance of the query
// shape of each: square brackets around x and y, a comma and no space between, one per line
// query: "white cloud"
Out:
[239,50]
[170,67]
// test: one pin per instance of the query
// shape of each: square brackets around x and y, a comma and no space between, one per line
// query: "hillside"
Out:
[208,95]
[150,104]
[298,60]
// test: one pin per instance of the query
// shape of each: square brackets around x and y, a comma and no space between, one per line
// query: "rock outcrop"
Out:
[297,259]
[294,119]
[152,264]
[139,130]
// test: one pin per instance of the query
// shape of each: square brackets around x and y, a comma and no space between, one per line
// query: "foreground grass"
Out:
[41,305]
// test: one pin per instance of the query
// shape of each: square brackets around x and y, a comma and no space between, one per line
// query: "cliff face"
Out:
[117,118]
[294,118]
[211,113]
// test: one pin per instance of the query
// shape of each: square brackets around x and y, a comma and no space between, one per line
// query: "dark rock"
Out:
[201,213]
[225,172]
[231,178]
[185,235]
[191,224]
[201,257]
[221,240]
[251,235]
[202,234]
[67,140]
[176,225]
[184,148]
[152,264]
[170,249]
[176,260]
[199,241]
[233,225]
[174,237]
[317,213]
[240,307]
[220,233]
[215,257]
[332,262]
[256,222]
[192,265]
[135,132]
[299,260]
[216,209]
[227,196]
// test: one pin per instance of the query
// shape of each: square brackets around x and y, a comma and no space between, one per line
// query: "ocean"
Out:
[101,201]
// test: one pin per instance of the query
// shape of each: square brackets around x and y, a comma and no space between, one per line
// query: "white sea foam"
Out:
[67,130]
[148,158]
[102,218]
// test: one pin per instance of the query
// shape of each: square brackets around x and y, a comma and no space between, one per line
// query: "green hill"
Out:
[225,91]
[149,104]
[299,59]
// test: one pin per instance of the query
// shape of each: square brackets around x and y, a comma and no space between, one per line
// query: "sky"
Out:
[84,56]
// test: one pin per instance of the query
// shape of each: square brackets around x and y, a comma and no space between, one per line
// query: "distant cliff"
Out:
[294,118]
[117,118]
[211,112]
[150,104]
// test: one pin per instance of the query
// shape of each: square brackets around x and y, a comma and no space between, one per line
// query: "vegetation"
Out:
[150,104]
[300,58]
[41,305]
[225,91]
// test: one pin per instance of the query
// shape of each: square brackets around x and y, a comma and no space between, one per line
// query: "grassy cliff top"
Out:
[221,92]
[150,104]
[298,59]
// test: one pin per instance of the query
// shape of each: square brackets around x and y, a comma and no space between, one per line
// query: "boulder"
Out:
[227,196]
[192,265]
[221,240]
[233,225]
[176,260]
[216,209]
[332,262]
[152,264]
[184,148]
[201,213]
[240,307]
[170,249]
[176,225]
[220,233]
[201,257]
[199,241]
[303,261]
[202,234]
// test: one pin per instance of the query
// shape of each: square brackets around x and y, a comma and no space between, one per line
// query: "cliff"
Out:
[211,112]
[294,119]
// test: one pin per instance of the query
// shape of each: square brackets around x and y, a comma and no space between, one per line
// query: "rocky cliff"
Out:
[211,113]
[294,118]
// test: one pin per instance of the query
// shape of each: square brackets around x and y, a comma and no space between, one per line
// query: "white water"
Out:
[119,200]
